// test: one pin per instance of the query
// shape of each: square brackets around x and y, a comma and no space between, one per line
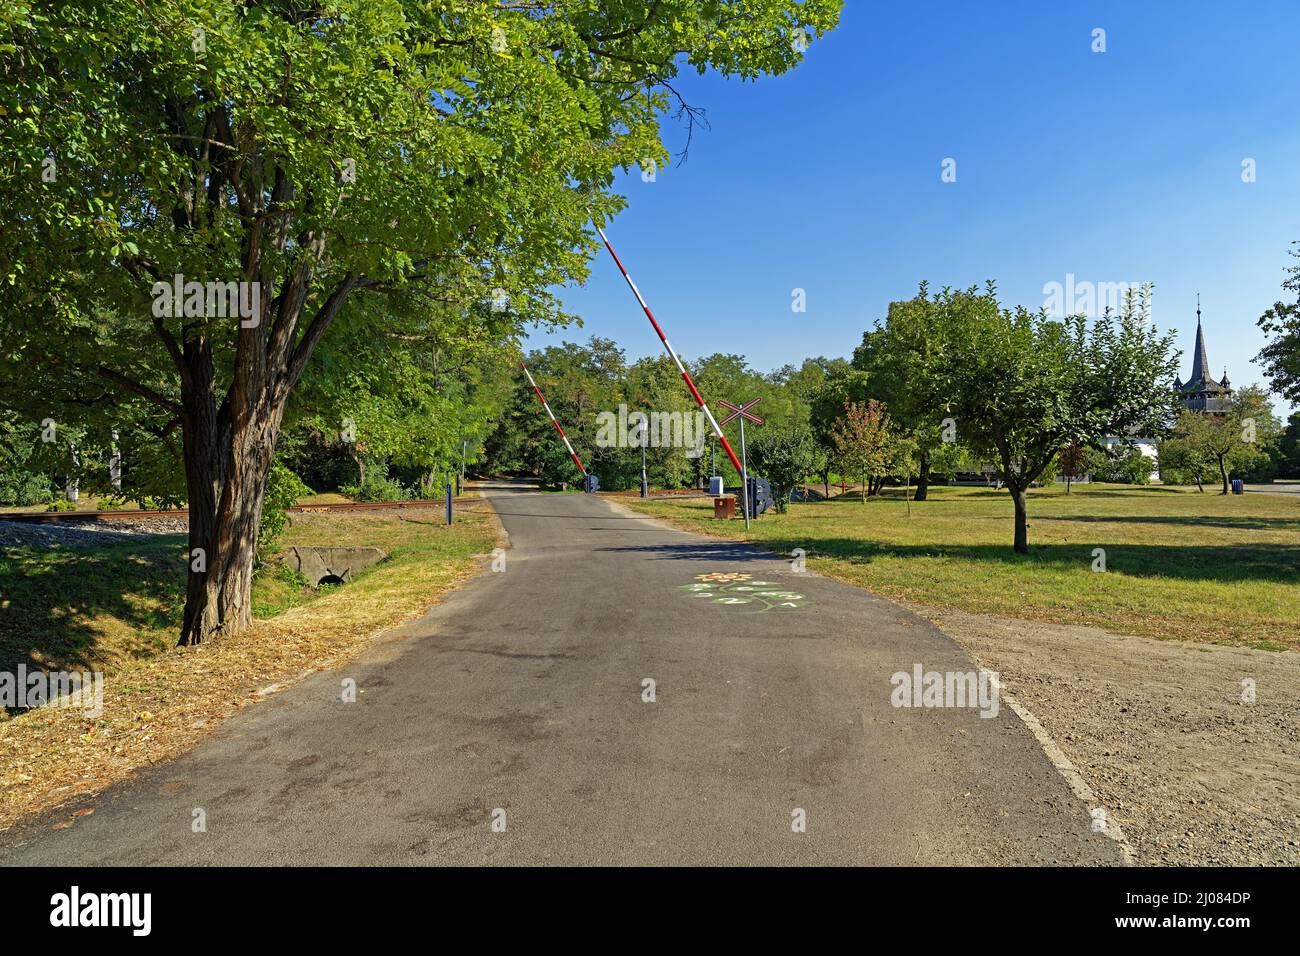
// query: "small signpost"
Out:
[643,436]
[742,412]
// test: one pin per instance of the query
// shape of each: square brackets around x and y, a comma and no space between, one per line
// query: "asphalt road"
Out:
[524,693]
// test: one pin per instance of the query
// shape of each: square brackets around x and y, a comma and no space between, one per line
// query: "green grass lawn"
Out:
[1180,564]
[77,607]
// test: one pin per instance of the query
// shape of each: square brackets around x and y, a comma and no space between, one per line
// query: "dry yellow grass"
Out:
[159,706]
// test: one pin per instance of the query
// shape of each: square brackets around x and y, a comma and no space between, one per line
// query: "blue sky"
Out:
[1117,166]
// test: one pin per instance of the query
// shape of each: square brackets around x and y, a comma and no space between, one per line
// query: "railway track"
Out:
[137,514]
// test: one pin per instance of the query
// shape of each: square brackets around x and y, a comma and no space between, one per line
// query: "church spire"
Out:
[1200,360]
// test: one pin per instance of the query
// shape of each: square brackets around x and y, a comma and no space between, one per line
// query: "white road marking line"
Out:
[1067,770]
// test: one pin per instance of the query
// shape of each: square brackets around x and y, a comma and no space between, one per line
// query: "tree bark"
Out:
[1223,471]
[228,448]
[1022,518]
[922,477]
[227,459]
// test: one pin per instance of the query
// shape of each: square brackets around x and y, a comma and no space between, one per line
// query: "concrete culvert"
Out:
[331,565]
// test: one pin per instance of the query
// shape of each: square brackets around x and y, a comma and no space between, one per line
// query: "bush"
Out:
[22,488]
[1121,465]
[783,456]
[377,486]
[1259,471]
[61,504]
[283,489]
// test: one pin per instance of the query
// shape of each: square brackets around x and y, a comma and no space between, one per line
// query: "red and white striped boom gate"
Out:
[541,398]
[686,376]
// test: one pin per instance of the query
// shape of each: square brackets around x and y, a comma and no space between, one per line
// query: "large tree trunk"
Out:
[922,477]
[228,448]
[1223,472]
[227,458]
[1022,517]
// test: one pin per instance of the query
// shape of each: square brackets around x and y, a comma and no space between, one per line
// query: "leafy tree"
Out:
[1072,461]
[323,159]
[825,395]
[1287,450]
[907,361]
[1183,458]
[1024,386]
[1121,463]
[1280,358]
[862,440]
[785,455]
[1233,442]
[20,482]
[729,377]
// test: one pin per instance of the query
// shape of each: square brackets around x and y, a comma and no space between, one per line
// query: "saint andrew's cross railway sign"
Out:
[743,412]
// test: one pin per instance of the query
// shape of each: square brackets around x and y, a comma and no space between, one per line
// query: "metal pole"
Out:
[449,502]
[686,376]
[744,473]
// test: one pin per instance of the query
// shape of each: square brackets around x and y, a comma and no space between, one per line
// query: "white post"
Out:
[744,473]
[115,465]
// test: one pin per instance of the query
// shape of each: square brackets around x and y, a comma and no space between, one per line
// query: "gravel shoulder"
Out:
[85,534]
[1194,774]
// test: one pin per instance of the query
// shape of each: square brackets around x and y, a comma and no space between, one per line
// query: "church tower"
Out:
[1201,393]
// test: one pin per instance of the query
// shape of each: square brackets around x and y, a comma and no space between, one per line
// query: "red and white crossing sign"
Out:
[741,411]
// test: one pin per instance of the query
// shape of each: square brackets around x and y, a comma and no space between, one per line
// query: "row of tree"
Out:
[947,382]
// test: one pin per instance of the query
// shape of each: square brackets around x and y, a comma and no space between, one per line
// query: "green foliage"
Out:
[907,363]
[380,170]
[378,486]
[22,482]
[283,489]
[784,455]
[1121,464]
[61,504]
[1023,386]
[21,487]
[1286,453]
[1280,358]
[863,442]
[1232,444]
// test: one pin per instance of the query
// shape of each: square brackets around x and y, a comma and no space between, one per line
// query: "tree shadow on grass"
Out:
[51,597]
[1249,563]
[1230,522]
